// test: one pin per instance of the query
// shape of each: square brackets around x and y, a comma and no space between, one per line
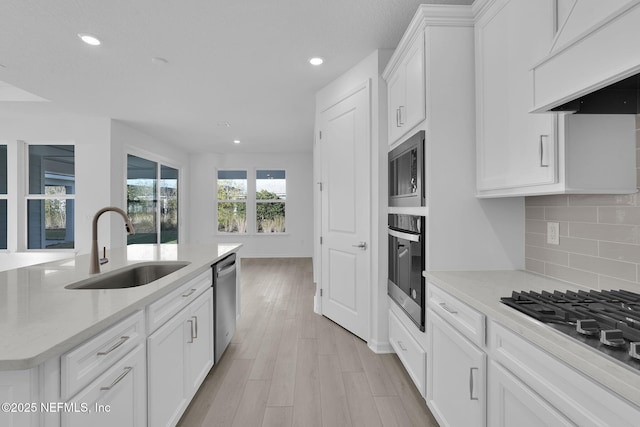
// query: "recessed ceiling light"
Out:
[316,61]
[89,39]
[236,141]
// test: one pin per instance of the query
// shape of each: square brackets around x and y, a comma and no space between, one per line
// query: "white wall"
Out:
[41,122]
[296,242]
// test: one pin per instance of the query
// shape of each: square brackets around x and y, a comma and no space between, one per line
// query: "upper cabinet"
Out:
[521,153]
[406,89]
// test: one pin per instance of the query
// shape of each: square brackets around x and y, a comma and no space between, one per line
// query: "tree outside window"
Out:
[232,201]
[271,194]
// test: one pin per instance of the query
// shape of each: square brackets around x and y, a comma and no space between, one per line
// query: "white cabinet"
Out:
[514,148]
[118,397]
[180,354]
[16,388]
[406,89]
[408,350]
[456,371]
[521,153]
[512,403]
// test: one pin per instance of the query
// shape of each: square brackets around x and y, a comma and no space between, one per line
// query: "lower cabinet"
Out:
[512,403]
[118,397]
[456,372]
[408,350]
[180,354]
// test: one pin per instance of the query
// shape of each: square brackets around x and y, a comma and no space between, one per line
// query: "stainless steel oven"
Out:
[406,173]
[406,285]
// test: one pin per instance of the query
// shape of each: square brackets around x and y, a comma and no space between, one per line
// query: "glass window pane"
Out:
[51,169]
[168,205]
[232,185]
[141,199]
[232,217]
[3,224]
[270,217]
[50,224]
[271,185]
[3,169]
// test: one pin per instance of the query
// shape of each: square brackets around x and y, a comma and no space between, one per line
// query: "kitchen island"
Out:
[56,342]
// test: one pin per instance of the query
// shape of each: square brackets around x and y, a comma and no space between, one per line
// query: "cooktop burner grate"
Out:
[608,321]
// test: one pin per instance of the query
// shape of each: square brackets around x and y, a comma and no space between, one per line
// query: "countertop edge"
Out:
[90,331]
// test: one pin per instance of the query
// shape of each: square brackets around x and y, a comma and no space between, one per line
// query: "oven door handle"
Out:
[406,236]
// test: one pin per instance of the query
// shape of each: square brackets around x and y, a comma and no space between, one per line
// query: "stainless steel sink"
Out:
[131,276]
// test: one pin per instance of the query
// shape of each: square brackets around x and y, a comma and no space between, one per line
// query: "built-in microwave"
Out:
[406,173]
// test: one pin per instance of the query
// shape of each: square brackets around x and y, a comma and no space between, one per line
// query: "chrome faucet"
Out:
[95,260]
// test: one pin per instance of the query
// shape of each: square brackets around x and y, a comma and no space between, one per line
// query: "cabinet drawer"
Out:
[86,362]
[465,319]
[169,305]
[579,398]
[408,350]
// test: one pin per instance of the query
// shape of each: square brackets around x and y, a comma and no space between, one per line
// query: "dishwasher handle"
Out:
[226,270]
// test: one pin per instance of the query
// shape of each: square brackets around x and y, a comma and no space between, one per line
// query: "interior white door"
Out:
[345,151]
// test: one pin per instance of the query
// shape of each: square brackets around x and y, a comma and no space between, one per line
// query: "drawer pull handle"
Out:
[402,347]
[450,310]
[195,323]
[191,330]
[116,345]
[471,384]
[117,380]
[188,294]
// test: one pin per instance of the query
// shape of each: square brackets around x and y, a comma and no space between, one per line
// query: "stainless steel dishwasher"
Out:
[224,303]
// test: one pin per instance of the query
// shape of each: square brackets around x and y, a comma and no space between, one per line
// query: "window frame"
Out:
[159,161]
[26,195]
[251,202]
[5,196]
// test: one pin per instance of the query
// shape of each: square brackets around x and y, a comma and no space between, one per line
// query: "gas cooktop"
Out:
[608,321]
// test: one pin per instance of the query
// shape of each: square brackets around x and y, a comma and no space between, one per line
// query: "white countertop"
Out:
[483,289]
[40,319]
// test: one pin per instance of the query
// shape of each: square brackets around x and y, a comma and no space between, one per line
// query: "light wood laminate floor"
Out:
[287,366]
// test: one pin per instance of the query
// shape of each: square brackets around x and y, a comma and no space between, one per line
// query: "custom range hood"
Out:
[594,64]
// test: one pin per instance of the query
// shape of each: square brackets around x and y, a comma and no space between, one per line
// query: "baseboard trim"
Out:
[380,347]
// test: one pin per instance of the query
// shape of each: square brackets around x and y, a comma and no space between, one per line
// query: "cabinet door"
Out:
[456,371]
[116,398]
[512,403]
[515,148]
[166,364]
[200,340]
[395,91]
[413,110]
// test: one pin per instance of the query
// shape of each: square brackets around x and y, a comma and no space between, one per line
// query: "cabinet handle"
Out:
[117,380]
[450,310]
[401,111]
[397,117]
[402,347]
[471,384]
[543,163]
[188,294]
[116,345]
[195,323]
[191,329]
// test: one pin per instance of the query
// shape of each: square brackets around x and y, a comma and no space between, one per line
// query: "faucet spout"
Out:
[95,259]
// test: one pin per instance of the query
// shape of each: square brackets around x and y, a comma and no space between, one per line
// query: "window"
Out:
[50,202]
[264,198]
[152,203]
[3,197]
[232,201]
[271,193]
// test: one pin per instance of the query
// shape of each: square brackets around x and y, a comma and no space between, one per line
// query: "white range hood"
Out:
[597,44]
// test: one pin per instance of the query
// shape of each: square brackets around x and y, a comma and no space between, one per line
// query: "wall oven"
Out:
[406,285]
[406,173]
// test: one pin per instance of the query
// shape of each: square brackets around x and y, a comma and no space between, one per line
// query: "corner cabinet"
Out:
[521,153]
[406,89]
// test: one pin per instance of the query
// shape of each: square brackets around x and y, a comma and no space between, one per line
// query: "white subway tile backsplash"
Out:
[571,213]
[534,265]
[572,275]
[547,255]
[619,215]
[620,251]
[619,269]
[608,232]
[532,212]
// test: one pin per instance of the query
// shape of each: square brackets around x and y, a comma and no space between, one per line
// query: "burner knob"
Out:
[634,350]
[587,327]
[612,338]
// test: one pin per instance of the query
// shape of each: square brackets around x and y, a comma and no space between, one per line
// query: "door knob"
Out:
[361,245]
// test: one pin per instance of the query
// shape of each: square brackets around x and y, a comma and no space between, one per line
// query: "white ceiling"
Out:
[238,61]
